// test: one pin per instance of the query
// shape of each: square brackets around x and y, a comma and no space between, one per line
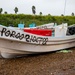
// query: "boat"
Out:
[46,26]
[15,43]
[32,26]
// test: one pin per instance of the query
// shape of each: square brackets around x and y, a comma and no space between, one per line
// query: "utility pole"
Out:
[65,7]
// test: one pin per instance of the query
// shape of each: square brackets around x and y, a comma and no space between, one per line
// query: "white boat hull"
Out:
[15,43]
[10,49]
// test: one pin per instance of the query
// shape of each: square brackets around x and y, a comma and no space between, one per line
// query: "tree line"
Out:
[16,10]
[7,19]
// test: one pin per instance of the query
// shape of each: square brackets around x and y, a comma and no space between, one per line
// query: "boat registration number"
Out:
[25,37]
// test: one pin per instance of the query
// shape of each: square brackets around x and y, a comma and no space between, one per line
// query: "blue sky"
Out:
[53,7]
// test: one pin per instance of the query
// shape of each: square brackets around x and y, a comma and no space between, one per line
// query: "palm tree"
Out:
[62,14]
[16,10]
[72,14]
[49,14]
[1,10]
[5,12]
[33,10]
[40,13]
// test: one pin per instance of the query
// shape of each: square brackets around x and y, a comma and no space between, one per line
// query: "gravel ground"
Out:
[43,64]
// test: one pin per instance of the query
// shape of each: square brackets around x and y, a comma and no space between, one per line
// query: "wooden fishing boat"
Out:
[15,43]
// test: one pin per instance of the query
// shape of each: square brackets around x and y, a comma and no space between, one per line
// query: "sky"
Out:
[53,7]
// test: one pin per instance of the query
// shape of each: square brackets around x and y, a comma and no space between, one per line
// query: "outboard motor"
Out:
[71,30]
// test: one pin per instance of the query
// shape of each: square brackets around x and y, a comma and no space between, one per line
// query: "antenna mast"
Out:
[65,7]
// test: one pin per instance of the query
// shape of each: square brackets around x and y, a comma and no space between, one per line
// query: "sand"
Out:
[56,63]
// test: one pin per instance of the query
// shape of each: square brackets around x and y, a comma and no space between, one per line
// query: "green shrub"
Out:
[15,19]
